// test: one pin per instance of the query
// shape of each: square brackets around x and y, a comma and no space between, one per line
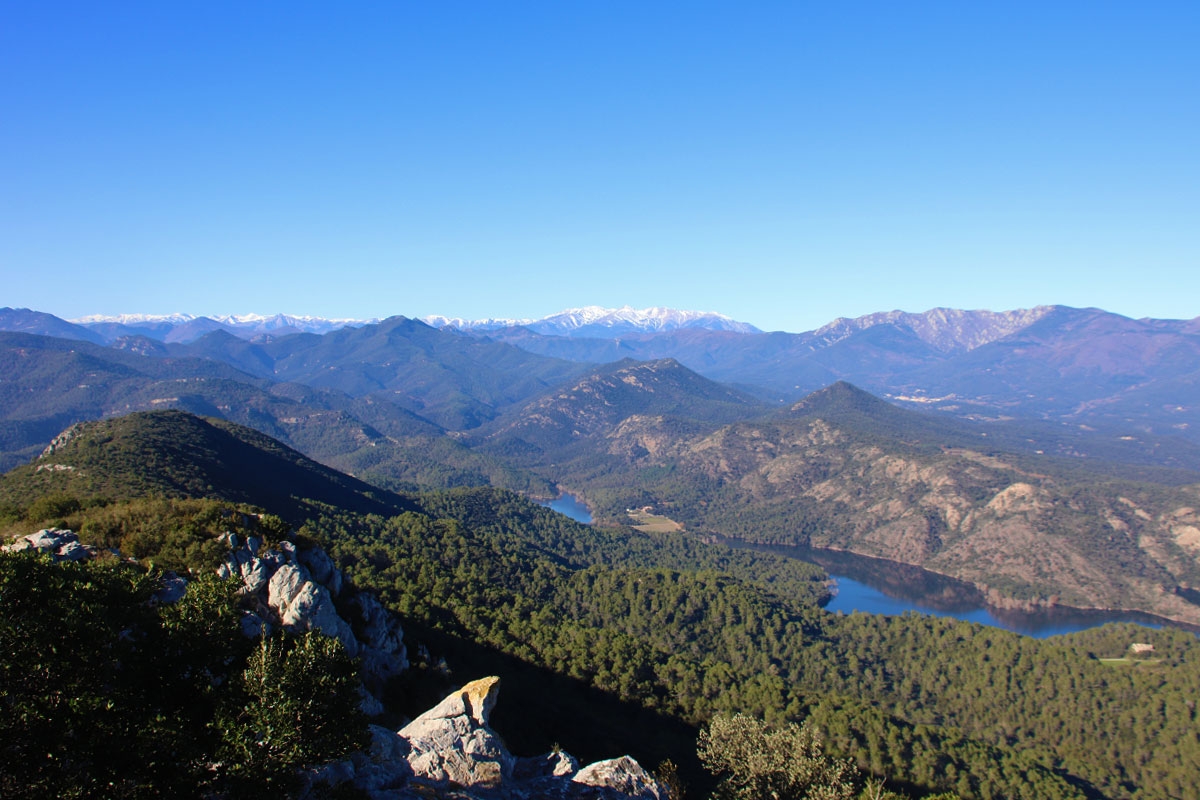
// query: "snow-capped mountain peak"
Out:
[601,322]
[134,319]
[186,327]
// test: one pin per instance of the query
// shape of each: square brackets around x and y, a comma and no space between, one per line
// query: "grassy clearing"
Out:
[653,523]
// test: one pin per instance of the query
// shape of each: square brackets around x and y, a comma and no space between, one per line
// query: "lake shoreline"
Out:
[954,597]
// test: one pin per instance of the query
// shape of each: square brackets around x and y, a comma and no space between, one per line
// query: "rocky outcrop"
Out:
[60,544]
[452,743]
[451,751]
[298,590]
[302,590]
[618,777]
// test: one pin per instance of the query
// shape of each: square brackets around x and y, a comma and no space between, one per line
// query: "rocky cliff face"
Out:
[451,751]
[302,590]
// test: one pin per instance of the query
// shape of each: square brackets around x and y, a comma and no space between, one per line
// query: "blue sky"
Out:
[783,163]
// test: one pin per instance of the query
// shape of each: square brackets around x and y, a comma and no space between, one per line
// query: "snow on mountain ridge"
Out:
[134,319]
[602,322]
[463,324]
[257,322]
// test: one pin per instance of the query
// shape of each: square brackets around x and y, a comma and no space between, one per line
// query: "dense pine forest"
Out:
[652,637]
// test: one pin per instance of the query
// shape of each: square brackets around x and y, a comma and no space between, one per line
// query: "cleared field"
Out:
[653,523]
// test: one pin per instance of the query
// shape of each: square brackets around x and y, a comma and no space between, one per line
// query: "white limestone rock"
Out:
[452,743]
[304,605]
[451,752]
[623,777]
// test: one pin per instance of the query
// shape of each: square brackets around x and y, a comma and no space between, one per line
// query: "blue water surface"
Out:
[569,504]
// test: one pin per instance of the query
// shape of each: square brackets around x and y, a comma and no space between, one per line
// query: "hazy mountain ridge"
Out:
[53,383]
[1074,366]
[946,329]
[584,321]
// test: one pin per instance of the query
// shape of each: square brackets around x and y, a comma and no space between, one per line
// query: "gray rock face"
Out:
[60,543]
[555,764]
[382,771]
[296,589]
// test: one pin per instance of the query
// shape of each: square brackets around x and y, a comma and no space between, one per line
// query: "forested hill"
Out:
[577,417]
[647,636]
[176,454]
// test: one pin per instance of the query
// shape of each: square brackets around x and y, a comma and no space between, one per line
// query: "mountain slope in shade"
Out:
[176,454]
[457,381]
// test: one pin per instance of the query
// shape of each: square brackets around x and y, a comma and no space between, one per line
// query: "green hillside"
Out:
[174,454]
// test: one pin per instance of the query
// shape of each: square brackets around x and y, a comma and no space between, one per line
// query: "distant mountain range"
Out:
[589,321]
[1083,368]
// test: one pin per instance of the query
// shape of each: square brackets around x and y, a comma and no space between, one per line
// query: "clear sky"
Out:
[783,163]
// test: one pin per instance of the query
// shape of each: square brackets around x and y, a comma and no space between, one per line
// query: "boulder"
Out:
[452,743]
[451,752]
[172,590]
[322,568]
[619,777]
[61,544]
[72,551]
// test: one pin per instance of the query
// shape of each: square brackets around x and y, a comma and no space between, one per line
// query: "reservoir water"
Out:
[569,504]
[877,586]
